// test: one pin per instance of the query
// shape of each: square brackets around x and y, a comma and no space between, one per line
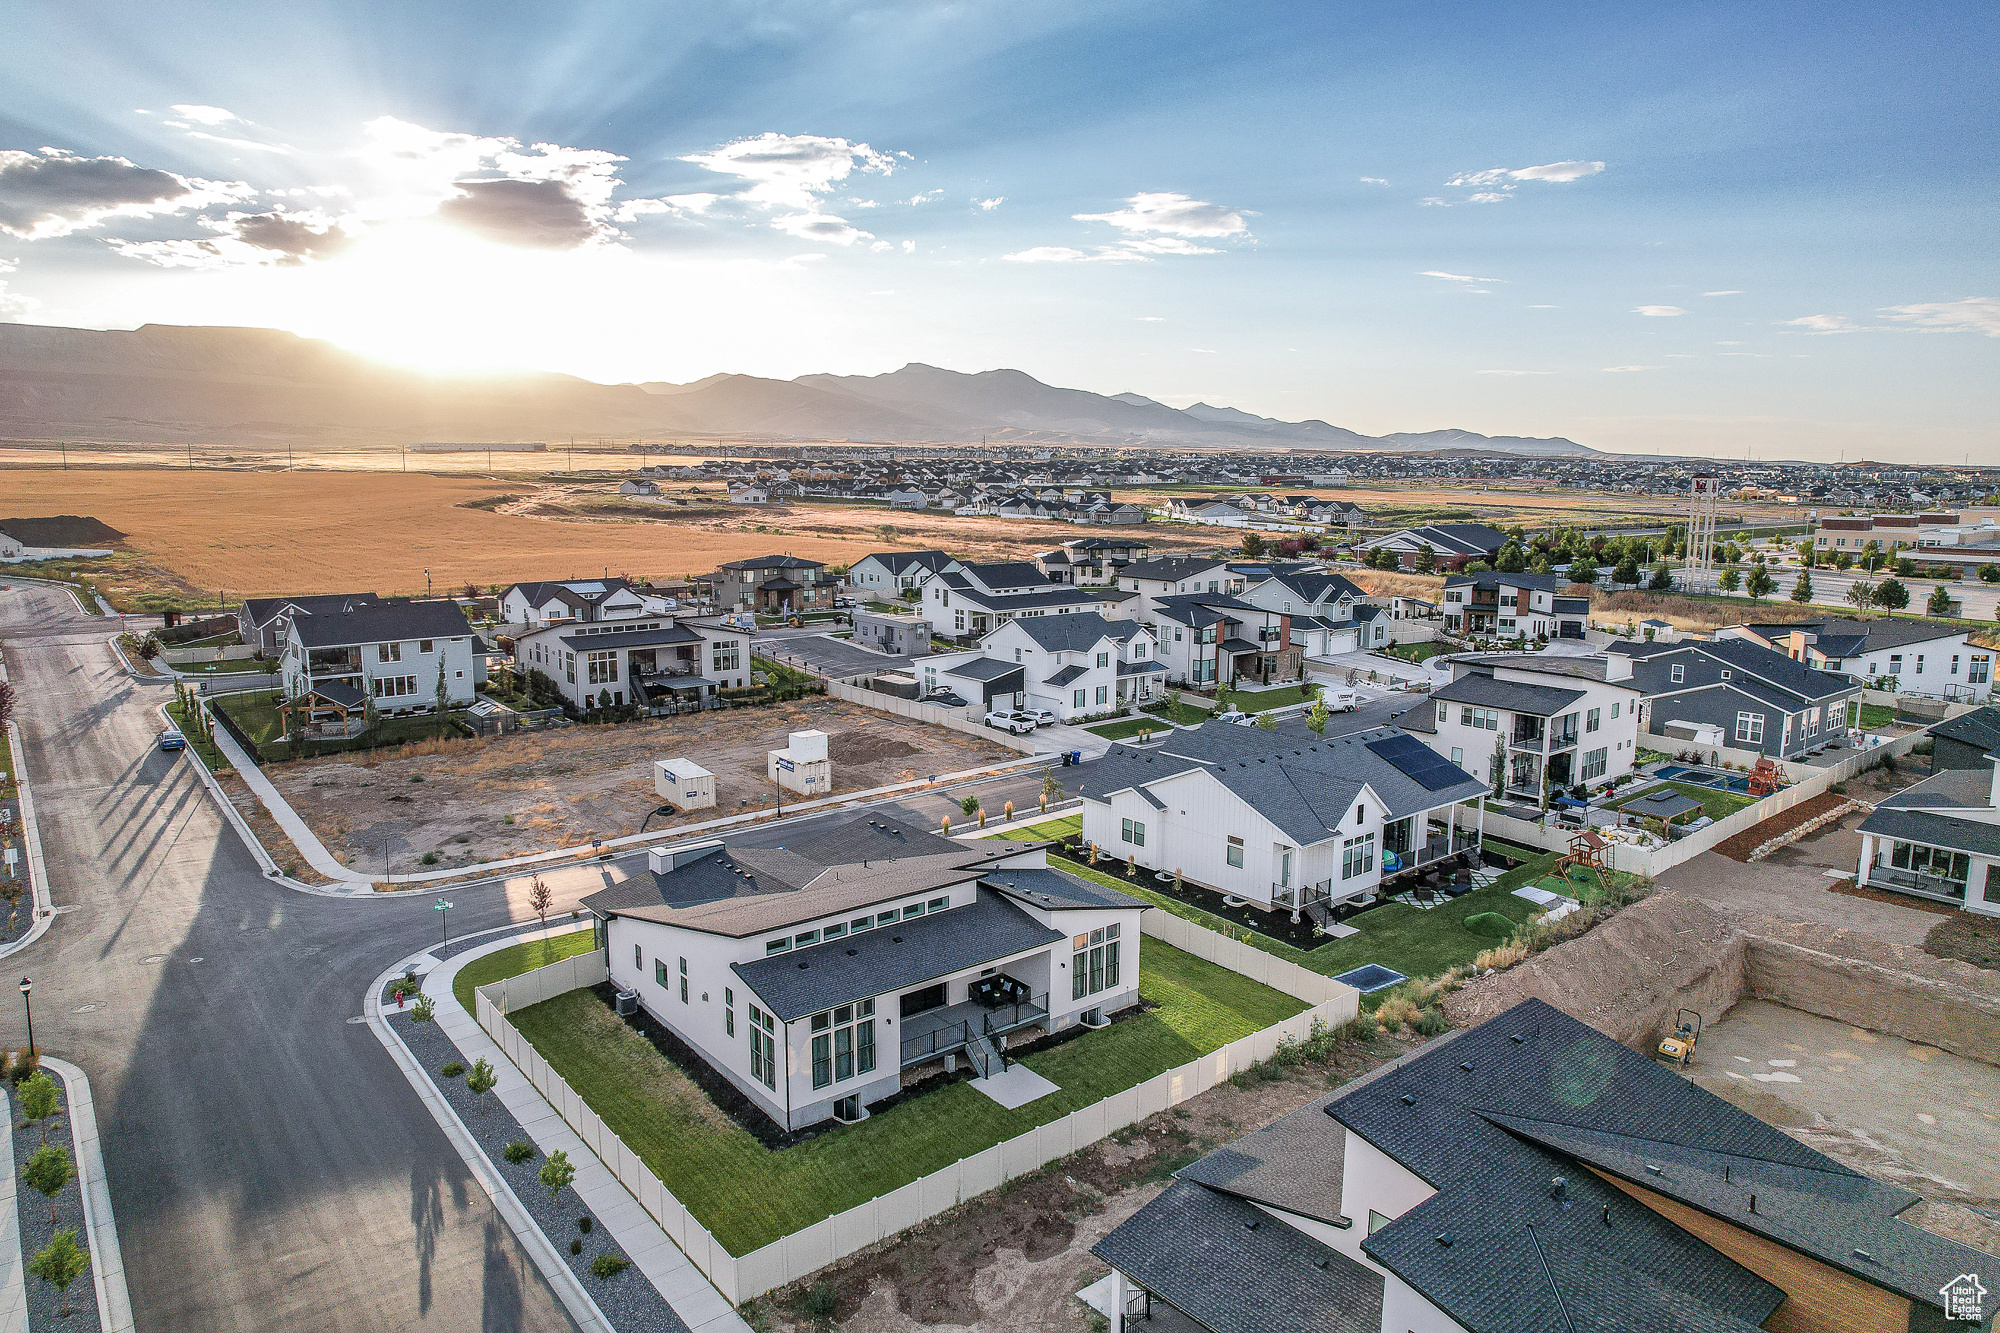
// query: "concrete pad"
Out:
[1539,897]
[1340,930]
[1015,1087]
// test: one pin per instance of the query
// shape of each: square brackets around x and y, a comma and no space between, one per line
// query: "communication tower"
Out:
[1699,572]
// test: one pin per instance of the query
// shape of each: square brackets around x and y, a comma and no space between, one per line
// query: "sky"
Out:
[1728,230]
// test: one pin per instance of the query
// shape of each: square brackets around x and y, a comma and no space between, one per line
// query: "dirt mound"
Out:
[862,746]
[1626,977]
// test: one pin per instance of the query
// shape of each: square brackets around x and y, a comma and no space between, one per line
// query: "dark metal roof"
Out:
[891,958]
[1484,691]
[381,622]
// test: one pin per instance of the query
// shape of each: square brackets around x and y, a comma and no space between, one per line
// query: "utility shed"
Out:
[803,766]
[684,784]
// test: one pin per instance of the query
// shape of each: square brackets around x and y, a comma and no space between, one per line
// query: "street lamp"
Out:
[443,906]
[26,987]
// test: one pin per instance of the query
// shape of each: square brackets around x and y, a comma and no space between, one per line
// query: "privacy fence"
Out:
[741,1277]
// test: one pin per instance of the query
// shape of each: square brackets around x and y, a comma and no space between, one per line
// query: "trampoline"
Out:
[1706,777]
[1371,977]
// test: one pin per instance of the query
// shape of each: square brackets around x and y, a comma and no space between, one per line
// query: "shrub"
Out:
[576,1245]
[583,1224]
[1396,1012]
[609,1264]
[519,1151]
[1433,1023]
[423,1010]
[1490,924]
[819,1301]
[429,858]
[452,1069]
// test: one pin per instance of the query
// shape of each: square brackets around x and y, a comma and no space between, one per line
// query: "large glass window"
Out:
[1357,856]
[1132,831]
[1093,964]
[1954,866]
[601,668]
[843,1043]
[1750,727]
[1594,764]
[763,1048]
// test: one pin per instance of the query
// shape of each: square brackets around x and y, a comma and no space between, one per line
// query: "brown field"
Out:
[259,533]
[477,800]
[1506,506]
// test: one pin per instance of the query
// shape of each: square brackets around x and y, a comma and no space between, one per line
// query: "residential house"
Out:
[1547,722]
[1938,840]
[660,663]
[749,494]
[1923,657]
[906,497]
[1482,1185]
[1074,666]
[968,602]
[1505,606]
[1322,607]
[1966,741]
[1092,561]
[1211,640]
[537,605]
[1762,699]
[1177,575]
[812,967]
[889,574]
[261,621]
[639,486]
[901,635]
[774,585]
[1454,545]
[397,655]
[1284,824]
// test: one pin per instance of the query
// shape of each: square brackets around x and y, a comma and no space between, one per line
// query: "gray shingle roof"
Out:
[263,610]
[984,669]
[889,958]
[1980,727]
[1075,632]
[1052,889]
[1066,675]
[1170,568]
[1483,691]
[642,638]
[1958,835]
[1865,636]
[1294,1163]
[381,622]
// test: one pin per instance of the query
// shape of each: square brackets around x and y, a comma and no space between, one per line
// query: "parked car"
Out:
[171,739]
[1018,723]
[943,699]
[1234,717]
[1042,716]
[1340,701]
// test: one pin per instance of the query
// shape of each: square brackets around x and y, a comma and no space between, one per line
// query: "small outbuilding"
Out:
[684,784]
[803,766]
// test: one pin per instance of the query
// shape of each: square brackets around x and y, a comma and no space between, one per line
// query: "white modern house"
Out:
[1285,824]
[1074,666]
[1924,657]
[1939,840]
[1177,576]
[261,621]
[1506,606]
[663,663]
[818,975]
[395,655]
[1325,611]
[971,601]
[538,605]
[1574,719]
[888,574]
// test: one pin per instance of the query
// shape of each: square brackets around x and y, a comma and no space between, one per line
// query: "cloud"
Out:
[1497,184]
[56,193]
[1453,277]
[1977,314]
[13,305]
[1171,214]
[275,239]
[1164,245]
[1823,324]
[677,205]
[909,247]
[1732,292]
[1516,372]
[821,227]
[1658,311]
[1373,180]
[1488,197]
[925,197]
[789,170]
[1623,370]
[1432,201]
[1054,254]
[538,214]
[204,115]
[990,204]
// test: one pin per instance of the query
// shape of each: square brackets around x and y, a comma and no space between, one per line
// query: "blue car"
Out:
[171,739]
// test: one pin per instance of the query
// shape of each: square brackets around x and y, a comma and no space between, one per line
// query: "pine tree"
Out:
[1802,591]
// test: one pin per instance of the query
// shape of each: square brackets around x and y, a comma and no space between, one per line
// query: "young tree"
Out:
[479,1079]
[60,1263]
[1627,572]
[1499,766]
[443,696]
[1266,722]
[1477,567]
[48,1171]
[1052,788]
[1987,574]
[1761,583]
[1583,570]
[1731,580]
[1808,553]
[1662,580]
[1892,594]
[40,1099]
[1802,591]
[970,805]
[1940,602]
[1253,545]
[1427,559]
[1511,560]
[1316,718]
[1842,560]
[1905,567]
[539,900]
[1862,594]
[556,1172]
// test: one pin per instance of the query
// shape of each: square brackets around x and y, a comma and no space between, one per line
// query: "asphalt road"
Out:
[269,1166]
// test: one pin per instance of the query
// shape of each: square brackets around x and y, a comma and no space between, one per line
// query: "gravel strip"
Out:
[629,1301]
[36,1229]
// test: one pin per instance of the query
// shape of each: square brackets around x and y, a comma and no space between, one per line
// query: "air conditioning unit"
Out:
[628,1003]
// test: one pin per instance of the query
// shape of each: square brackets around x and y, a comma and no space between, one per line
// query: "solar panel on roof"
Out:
[1418,762]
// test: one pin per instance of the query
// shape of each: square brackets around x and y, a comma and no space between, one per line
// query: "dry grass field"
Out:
[260,533]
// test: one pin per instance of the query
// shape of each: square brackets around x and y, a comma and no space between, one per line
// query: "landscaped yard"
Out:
[1416,652]
[748,1195]
[1127,728]
[1053,829]
[1876,716]
[1715,804]
[1186,714]
[1417,942]
[516,959]
[1263,701]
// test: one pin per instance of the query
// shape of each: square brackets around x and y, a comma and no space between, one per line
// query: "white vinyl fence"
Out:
[949,718]
[741,1277]
[1655,861]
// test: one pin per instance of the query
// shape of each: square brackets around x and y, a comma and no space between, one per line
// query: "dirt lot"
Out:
[479,800]
[1013,1261]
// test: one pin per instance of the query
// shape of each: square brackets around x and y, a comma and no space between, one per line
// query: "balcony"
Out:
[1563,740]
[936,1033]
[333,663]
[1917,882]
[1527,732]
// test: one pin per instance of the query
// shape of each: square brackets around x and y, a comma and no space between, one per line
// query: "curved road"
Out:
[270,1167]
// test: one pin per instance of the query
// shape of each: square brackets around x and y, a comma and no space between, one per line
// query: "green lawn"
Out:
[1875,716]
[1051,829]
[1126,728]
[239,666]
[1715,804]
[1416,652]
[1187,714]
[1263,701]
[748,1195]
[1414,941]
[516,959]
[210,755]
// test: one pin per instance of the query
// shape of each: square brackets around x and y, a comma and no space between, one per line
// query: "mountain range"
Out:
[252,387]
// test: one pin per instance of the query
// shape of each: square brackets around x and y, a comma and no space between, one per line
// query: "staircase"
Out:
[1319,915]
[984,1056]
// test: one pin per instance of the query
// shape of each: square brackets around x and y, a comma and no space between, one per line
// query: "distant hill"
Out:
[264,386]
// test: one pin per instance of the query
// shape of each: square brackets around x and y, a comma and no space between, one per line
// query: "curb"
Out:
[107,1262]
[43,902]
[568,1290]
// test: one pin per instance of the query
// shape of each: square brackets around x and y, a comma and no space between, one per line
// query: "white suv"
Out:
[1018,723]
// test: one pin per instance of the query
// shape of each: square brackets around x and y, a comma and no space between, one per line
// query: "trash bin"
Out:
[1075,757]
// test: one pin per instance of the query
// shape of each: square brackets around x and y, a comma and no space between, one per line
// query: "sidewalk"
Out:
[698,1304]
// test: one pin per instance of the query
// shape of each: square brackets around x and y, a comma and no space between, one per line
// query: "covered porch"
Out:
[332,709]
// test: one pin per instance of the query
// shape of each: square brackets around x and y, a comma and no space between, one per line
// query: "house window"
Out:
[779,945]
[1078,699]
[601,668]
[1678,674]
[804,938]
[1810,724]
[1976,671]
[1457,755]
[1102,692]
[1594,764]
[887,918]
[1593,719]
[1487,718]
[1614,711]
[1357,856]
[728,1012]
[660,973]
[1093,962]
[1233,853]
[1104,659]
[388,652]
[1920,664]
[833,932]
[843,1043]
[394,687]
[639,960]
[1132,831]
[1954,664]
[1895,664]
[1444,712]
[1750,727]
[938,904]
[728,657]
[1936,861]
[763,1048]
[914,909]
[424,646]
[1376,1221]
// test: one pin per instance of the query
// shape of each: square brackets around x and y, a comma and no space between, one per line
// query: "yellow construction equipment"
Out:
[1679,1048]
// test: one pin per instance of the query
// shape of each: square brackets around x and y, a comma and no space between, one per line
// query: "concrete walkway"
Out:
[700,1306]
[13,1265]
[317,856]
[107,1262]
